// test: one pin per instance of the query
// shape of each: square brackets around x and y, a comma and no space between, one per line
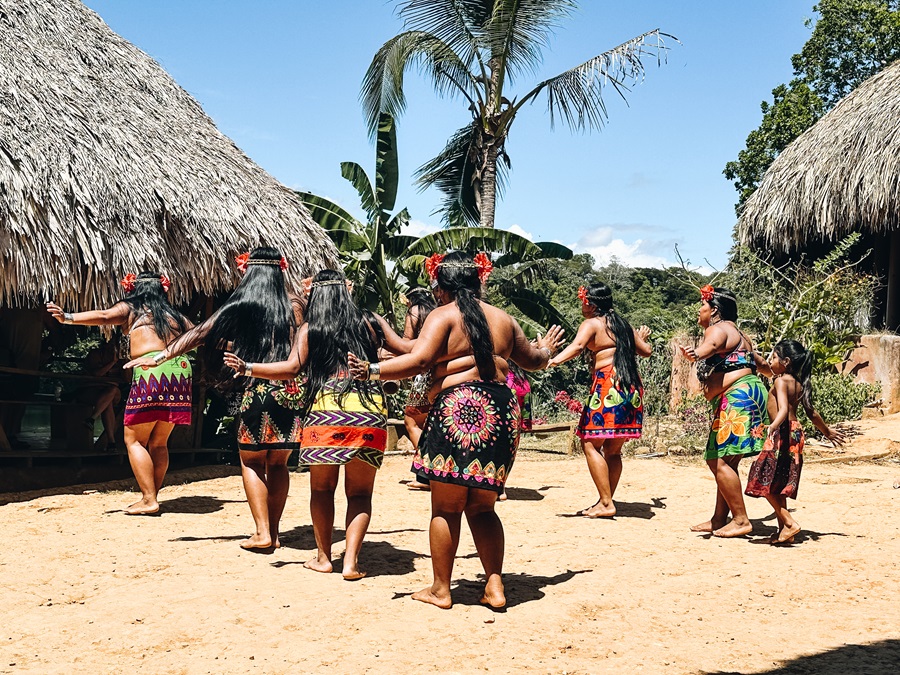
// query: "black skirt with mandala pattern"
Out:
[270,415]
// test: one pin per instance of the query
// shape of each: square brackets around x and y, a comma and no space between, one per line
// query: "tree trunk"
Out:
[488,201]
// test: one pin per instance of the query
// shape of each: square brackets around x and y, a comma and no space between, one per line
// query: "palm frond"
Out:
[453,171]
[519,29]
[577,94]
[474,239]
[329,215]
[397,223]
[457,23]
[382,86]
[535,307]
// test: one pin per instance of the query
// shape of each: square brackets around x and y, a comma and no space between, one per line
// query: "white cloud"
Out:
[418,228]
[516,229]
[607,242]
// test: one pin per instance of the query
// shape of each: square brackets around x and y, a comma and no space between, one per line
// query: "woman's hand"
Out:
[644,332]
[56,312]
[359,369]
[688,352]
[142,362]
[552,341]
[235,363]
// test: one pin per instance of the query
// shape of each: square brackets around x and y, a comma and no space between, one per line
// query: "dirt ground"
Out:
[86,589]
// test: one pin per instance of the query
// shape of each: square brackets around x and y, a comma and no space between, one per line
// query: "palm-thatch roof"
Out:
[107,166]
[840,176]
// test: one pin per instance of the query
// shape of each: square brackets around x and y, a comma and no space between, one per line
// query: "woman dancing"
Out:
[470,438]
[728,372]
[614,411]
[420,303]
[160,394]
[257,322]
[346,421]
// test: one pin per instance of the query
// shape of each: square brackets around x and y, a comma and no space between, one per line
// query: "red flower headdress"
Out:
[432,263]
[243,260]
[484,265]
[166,284]
[128,282]
[583,295]
[707,293]
[481,262]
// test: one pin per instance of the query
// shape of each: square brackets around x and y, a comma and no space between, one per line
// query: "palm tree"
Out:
[475,49]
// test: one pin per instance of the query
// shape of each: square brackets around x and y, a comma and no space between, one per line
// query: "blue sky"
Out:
[281,78]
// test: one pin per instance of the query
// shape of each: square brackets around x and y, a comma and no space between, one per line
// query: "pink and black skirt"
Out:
[160,393]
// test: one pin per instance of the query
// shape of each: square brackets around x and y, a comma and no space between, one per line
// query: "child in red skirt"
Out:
[775,474]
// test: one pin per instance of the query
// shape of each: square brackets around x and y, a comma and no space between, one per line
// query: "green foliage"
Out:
[824,305]
[837,398]
[851,41]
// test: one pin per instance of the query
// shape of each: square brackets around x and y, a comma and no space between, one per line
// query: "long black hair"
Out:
[150,296]
[424,303]
[726,302]
[599,296]
[800,367]
[458,275]
[257,321]
[336,326]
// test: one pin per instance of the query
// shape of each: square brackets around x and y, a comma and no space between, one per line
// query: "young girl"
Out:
[775,474]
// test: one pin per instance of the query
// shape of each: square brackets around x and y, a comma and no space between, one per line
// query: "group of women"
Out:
[311,369]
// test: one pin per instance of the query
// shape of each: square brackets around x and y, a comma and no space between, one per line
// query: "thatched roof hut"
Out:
[840,176]
[107,166]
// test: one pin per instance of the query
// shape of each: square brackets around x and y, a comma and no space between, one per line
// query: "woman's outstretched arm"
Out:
[279,370]
[578,344]
[116,315]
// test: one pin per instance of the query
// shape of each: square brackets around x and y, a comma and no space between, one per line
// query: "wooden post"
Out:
[892,305]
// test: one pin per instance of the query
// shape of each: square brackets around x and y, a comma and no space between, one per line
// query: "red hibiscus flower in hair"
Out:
[707,292]
[241,261]
[283,264]
[583,295]
[485,266]
[128,282]
[166,284]
[432,263]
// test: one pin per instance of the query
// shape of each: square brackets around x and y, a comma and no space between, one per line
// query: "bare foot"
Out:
[502,497]
[494,595]
[584,512]
[257,541]
[600,511]
[416,485]
[732,529]
[353,575]
[426,595]
[787,533]
[319,565]
[708,526]
[144,507]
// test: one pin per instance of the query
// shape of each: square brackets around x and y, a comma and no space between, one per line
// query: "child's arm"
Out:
[281,370]
[781,397]
[833,435]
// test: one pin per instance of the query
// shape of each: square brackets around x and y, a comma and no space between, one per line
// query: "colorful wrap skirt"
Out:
[269,418]
[776,471]
[739,419]
[471,436]
[339,429]
[609,411]
[160,393]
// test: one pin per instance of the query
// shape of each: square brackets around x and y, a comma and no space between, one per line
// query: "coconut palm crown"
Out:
[475,49]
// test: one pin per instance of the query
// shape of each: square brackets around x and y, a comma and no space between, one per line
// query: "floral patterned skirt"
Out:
[269,418]
[739,415]
[471,436]
[610,412]
[777,469]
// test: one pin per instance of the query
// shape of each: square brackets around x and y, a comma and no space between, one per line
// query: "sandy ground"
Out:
[86,589]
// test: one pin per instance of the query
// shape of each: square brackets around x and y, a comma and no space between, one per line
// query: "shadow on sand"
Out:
[876,658]
[520,588]
[628,510]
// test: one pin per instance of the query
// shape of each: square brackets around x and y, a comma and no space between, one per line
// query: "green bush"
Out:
[837,398]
